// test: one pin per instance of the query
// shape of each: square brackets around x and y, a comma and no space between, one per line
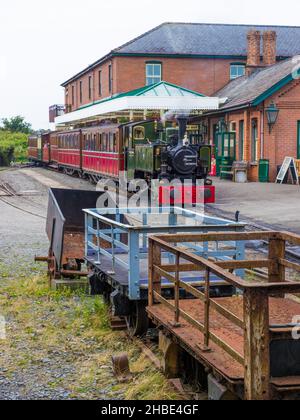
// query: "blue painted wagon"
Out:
[116,250]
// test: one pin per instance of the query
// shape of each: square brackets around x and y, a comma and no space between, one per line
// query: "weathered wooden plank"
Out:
[292,238]
[238,357]
[257,345]
[276,252]
[227,265]
[154,278]
[273,287]
[289,264]
[219,236]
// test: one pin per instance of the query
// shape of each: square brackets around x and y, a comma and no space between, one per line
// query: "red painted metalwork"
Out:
[69,158]
[187,195]
[46,153]
[108,164]
[54,147]
[70,149]
[33,153]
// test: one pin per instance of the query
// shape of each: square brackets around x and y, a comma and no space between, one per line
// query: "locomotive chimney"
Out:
[182,123]
[254,43]
[270,47]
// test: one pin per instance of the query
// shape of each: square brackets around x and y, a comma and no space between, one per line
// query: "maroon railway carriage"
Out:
[38,149]
[33,151]
[70,152]
[102,151]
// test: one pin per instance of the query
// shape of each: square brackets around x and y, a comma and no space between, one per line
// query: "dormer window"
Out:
[237,70]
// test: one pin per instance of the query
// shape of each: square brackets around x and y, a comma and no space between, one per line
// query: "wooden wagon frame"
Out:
[259,305]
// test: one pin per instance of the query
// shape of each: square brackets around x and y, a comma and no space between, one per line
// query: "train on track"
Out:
[144,150]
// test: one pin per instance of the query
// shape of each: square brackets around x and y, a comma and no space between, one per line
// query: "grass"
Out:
[71,331]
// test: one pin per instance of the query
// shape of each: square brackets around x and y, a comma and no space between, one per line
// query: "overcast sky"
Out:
[43,43]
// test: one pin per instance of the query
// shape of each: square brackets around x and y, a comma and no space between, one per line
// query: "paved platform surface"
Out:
[272,205]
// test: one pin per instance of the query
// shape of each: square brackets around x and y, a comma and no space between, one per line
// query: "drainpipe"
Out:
[262,132]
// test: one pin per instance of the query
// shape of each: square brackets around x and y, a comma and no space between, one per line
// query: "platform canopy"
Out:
[158,98]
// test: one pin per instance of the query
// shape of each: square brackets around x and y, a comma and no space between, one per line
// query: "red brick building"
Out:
[249,98]
[200,57]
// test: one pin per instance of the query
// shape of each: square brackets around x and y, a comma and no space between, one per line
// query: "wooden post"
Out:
[177,291]
[207,309]
[257,345]
[276,252]
[154,279]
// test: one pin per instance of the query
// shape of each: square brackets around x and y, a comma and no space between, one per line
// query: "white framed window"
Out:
[153,73]
[237,70]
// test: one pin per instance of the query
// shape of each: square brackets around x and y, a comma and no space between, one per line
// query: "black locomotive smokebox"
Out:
[184,160]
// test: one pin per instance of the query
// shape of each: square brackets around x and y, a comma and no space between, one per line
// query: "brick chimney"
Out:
[270,47]
[254,38]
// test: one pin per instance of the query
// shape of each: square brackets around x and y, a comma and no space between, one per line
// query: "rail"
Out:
[256,294]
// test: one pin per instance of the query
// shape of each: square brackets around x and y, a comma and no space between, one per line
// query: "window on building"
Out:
[73,95]
[233,126]
[110,78]
[153,73]
[100,83]
[237,70]
[90,87]
[241,139]
[254,141]
[80,92]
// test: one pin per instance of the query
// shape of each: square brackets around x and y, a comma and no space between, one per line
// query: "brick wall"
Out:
[275,146]
[202,75]
[282,141]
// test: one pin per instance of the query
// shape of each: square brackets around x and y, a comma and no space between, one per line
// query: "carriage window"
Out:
[139,133]
[104,142]
[111,142]
[98,142]
[94,143]
[115,143]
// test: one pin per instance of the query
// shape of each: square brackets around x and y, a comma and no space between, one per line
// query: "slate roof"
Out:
[201,39]
[262,83]
[208,39]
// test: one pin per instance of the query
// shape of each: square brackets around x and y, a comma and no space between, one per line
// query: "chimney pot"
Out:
[270,50]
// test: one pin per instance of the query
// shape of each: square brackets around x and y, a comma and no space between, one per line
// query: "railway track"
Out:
[9,192]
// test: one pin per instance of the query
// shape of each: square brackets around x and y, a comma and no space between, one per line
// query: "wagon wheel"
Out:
[138,321]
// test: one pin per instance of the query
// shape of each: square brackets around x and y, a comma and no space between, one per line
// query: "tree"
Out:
[16,125]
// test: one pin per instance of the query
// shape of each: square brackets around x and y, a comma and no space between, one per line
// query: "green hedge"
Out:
[13,147]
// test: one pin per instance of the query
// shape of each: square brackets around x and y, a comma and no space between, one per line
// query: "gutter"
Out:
[226,110]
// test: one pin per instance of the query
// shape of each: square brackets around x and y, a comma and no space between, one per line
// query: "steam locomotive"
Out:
[145,150]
